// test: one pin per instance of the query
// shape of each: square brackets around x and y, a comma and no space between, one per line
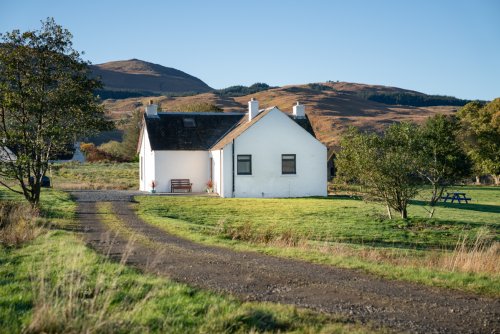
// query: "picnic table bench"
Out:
[183,184]
[456,196]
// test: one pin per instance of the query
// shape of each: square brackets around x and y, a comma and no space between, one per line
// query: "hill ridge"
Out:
[141,76]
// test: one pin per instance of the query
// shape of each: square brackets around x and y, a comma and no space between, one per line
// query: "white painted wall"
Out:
[216,170]
[227,182]
[193,165]
[273,135]
[146,163]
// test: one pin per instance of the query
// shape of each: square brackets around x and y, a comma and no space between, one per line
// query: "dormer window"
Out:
[189,122]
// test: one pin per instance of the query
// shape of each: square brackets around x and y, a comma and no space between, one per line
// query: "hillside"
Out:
[331,107]
[142,77]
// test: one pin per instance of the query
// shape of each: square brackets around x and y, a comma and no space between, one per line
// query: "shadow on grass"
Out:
[257,320]
[462,206]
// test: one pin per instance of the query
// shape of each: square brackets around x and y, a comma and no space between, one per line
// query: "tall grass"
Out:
[482,257]
[74,298]
[19,223]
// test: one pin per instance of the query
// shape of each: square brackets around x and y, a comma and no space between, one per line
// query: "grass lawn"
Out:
[95,176]
[350,233]
[56,284]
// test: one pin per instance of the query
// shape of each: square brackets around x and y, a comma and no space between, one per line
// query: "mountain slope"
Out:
[137,75]
[331,107]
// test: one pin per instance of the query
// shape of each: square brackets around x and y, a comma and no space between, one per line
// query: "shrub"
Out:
[96,154]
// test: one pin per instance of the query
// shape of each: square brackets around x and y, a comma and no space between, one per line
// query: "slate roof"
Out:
[171,131]
[174,130]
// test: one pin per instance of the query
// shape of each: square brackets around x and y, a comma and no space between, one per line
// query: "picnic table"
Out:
[456,196]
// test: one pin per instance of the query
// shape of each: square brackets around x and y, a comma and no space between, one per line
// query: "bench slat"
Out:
[180,184]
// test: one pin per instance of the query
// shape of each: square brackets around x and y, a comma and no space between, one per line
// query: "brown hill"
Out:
[138,75]
[331,107]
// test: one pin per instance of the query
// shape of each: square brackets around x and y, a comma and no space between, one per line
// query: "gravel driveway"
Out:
[361,297]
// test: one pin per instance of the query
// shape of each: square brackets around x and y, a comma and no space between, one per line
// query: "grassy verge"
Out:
[56,284]
[95,176]
[457,249]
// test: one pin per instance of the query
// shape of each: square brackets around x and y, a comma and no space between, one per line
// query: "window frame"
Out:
[249,156]
[294,164]
[189,122]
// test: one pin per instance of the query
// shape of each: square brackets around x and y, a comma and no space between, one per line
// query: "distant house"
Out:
[6,155]
[264,153]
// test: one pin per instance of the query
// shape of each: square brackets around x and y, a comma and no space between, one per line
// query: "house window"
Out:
[189,122]
[288,164]
[244,164]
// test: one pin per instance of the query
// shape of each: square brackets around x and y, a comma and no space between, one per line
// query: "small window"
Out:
[244,164]
[288,165]
[189,122]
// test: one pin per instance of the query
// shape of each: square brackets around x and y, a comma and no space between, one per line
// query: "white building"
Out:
[265,153]
[6,155]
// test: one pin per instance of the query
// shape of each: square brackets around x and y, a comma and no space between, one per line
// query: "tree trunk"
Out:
[431,213]
[497,179]
[436,194]
[389,212]
[404,213]
[478,180]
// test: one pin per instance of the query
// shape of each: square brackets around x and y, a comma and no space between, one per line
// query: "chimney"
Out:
[299,110]
[151,109]
[253,108]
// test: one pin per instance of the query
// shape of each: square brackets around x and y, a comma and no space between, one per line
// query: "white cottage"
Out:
[265,153]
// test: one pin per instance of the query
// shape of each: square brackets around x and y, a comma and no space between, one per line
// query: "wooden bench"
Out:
[183,184]
[456,196]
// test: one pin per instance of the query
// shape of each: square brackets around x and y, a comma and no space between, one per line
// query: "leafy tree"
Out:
[239,90]
[412,99]
[385,164]
[442,160]
[481,136]
[128,147]
[46,102]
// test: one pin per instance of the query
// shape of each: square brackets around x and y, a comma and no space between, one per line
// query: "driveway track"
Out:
[362,297]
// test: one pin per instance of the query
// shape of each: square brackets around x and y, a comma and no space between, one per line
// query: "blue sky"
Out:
[437,47]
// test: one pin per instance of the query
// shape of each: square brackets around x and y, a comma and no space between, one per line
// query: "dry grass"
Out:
[480,256]
[18,223]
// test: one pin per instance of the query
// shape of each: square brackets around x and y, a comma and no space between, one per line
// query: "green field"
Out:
[458,248]
[54,283]
[104,175]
